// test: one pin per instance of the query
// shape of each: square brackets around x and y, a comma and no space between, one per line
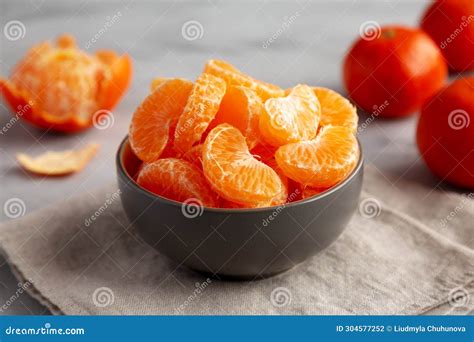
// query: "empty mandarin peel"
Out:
[66,84]
[58,163]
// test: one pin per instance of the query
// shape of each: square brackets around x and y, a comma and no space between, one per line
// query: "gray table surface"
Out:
[309,50]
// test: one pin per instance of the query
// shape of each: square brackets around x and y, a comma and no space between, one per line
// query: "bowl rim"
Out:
[123,173]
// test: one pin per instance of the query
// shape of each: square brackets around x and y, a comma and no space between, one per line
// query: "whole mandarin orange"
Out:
[451,25]
[445,133]
[394,71]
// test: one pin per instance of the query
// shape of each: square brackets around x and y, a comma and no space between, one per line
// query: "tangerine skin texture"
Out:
[59,87]
[403,67]
[445,133]
[450,24]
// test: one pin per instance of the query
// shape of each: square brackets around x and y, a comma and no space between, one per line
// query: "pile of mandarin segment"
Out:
[231,141]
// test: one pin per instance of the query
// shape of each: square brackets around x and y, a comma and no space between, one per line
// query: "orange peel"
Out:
[58,163]
[66,85]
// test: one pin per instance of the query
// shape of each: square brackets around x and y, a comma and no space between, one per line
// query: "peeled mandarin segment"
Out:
[233,172]
[322,162]
[200,110]
[234,77]
[58,163]
[282,197]
[177,180]
[241,108]
[194,156]
[264,152]
[152,121]
[157,82]
[336,110]
[292,118]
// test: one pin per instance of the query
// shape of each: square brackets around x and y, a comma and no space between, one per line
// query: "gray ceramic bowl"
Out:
[237,243]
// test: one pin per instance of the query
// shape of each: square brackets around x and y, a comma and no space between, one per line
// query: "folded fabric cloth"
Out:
[408,250]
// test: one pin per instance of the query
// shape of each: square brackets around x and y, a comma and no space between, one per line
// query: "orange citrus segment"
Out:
[58,163]
[292,118]
[152,121]
[177,180]
[158,81]
[241,108]
[322,162]
[234,77]
[282,197]
[194,156]
[234,173]
[336,110]
[200,110]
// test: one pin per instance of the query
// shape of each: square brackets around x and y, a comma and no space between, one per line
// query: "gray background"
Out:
[309,51]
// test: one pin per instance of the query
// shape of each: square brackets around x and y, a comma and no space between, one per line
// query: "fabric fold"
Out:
[395,257]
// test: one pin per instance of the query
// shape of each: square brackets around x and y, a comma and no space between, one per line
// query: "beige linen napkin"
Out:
[408,250]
